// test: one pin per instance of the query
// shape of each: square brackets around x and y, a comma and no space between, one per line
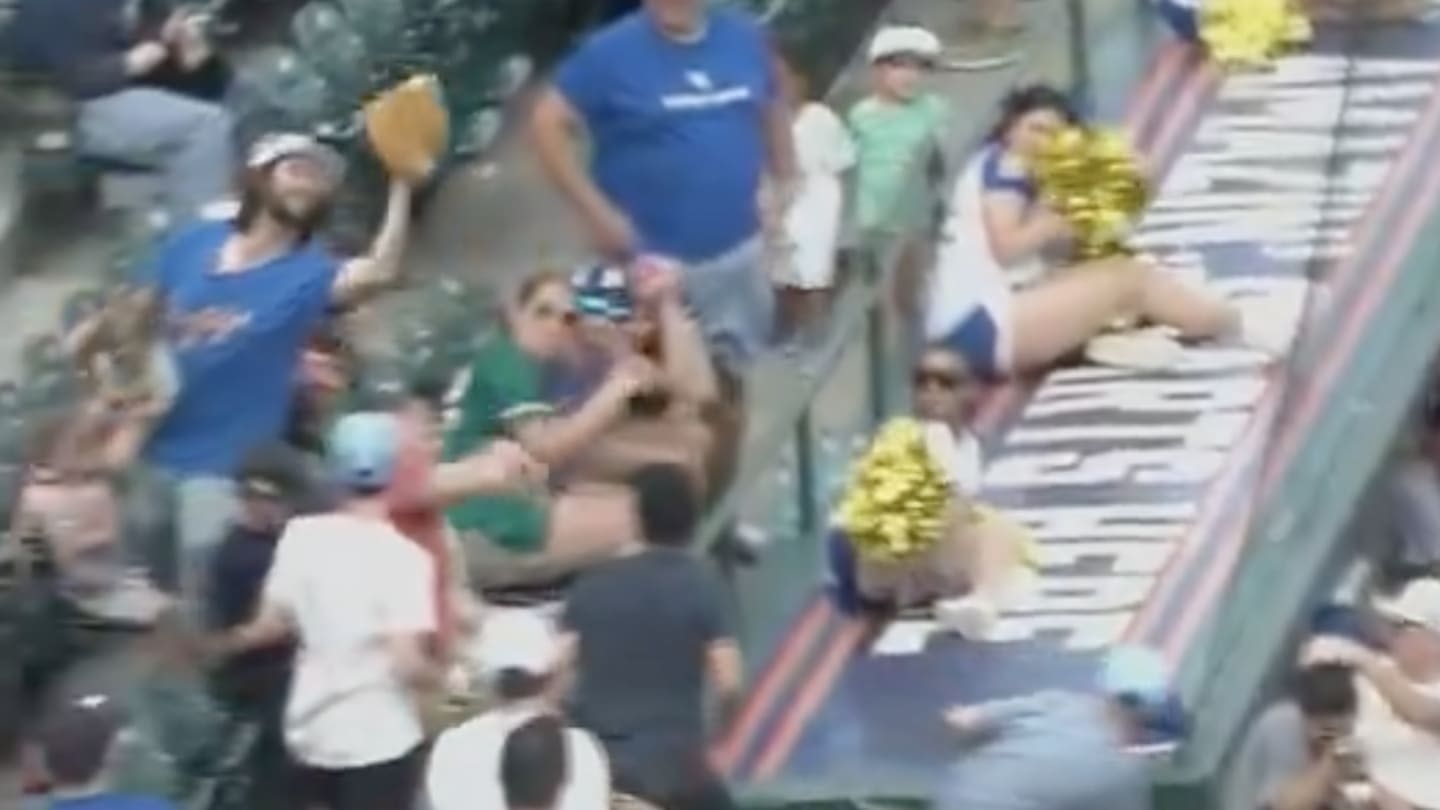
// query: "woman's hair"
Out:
[533,764]
[1025,100]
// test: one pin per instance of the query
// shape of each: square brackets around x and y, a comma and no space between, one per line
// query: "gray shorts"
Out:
[734,302]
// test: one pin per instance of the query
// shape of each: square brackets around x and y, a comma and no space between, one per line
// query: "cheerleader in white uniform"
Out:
[995,300]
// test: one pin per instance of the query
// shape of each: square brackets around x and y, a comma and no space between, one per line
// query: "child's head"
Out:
[900,57]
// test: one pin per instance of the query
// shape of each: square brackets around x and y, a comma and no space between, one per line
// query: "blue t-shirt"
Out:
[678,128]
[237,339]
[113,801]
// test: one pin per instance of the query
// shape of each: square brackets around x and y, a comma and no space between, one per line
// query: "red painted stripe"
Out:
[1400,241]
[1371,227]
[796,642]
[809,699]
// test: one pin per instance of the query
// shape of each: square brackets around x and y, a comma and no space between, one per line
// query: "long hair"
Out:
[1024,100]
[254,194]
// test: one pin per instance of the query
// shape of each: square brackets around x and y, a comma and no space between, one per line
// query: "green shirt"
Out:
[504,387]
[889,137]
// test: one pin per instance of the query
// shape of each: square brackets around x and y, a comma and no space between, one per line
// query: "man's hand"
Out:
[632,375]
[656,283]
[612,233]
[964,720]
[511,467]
[145,57]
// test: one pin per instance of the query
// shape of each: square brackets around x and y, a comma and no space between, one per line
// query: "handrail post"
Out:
[806,497]
[1079,53]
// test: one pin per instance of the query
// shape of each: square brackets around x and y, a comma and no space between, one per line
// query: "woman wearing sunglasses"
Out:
[538,538]
[998,300]
[979,563]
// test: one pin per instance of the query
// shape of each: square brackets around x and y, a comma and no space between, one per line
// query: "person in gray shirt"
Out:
[1064,750]
[1295,756]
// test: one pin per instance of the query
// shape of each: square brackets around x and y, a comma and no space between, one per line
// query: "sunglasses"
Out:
[546,312]
[948,380]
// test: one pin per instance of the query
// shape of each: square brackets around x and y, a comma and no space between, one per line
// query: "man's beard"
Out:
[305,219]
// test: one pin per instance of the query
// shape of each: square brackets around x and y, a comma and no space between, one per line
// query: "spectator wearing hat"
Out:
[898,123]
[624,314]
[242,299]
[519,658]
[896,126]
[1399,726]
[680,105]
[649,639]
[78,743]
[356,596]
[1065,749]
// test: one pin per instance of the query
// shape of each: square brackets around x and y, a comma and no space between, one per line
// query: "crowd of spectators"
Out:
[345,570]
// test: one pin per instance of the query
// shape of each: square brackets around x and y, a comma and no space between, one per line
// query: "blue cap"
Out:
[362,449]
[1139,678]
[603,291]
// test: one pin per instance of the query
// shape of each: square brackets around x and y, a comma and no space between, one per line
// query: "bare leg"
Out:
[587,525]
[1059,315]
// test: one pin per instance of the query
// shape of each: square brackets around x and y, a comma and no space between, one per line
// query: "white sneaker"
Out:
[1138,350]
[1267,326]
[972,617]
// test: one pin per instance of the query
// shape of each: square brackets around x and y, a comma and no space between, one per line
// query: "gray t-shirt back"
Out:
[1048,751]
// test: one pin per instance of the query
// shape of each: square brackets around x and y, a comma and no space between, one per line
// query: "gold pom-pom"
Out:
[895,506]
[1093,178]
[409,127]
[1250,34]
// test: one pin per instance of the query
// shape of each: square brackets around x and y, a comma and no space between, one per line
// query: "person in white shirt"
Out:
[356,595]
[1399,718]
[807,237]
[518,655]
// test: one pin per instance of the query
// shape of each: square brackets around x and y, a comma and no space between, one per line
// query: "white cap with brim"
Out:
[1418,603]
[519,640]
[277,146]
[904,40]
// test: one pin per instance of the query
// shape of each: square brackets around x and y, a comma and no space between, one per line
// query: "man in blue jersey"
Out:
[680,106]
[241,298]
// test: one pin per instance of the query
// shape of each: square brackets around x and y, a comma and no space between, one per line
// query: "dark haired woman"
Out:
[997,301]
[537,538]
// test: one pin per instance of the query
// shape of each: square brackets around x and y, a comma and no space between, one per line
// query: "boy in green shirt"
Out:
[895,125]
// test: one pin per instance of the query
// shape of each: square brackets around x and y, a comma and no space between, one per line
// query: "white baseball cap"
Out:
[1417,603]
[904,40]
[516,639]
[277,146]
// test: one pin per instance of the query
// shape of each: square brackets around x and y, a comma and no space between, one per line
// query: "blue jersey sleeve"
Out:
[581,80]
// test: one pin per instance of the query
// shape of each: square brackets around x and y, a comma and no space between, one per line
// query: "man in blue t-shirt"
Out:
[680,106]
[241,298]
